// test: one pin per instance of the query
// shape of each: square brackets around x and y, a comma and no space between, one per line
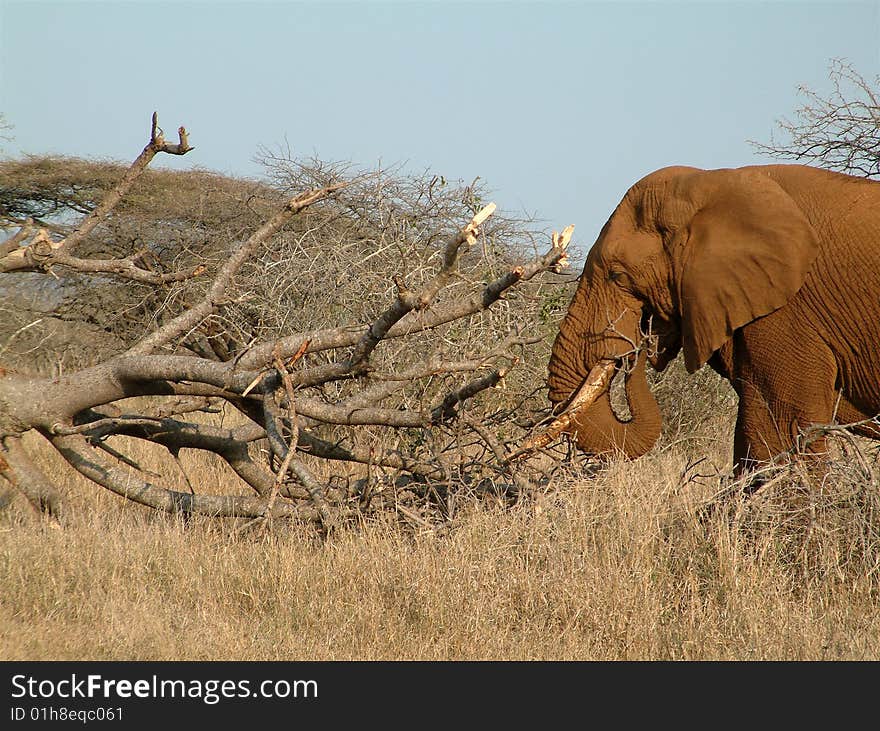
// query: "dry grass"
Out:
[617,566]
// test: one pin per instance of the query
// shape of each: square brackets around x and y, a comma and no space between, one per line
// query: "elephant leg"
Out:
[764,431]
[785,380]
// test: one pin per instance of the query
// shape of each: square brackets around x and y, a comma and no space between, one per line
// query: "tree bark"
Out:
[23,474]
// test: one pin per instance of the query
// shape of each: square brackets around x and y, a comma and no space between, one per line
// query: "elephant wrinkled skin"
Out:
[770,274]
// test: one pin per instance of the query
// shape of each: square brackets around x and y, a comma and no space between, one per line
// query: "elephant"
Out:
[770,274]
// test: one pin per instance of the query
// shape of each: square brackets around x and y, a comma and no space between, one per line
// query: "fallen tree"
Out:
[299,393]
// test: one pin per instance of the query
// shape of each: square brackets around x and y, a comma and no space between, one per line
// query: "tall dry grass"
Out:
[620,565]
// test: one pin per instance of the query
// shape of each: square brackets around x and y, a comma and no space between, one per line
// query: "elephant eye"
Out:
[621,279]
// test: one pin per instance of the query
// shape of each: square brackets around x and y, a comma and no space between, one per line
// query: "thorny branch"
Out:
[303,398]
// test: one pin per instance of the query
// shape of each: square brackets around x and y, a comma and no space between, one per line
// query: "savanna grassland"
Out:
[625,563]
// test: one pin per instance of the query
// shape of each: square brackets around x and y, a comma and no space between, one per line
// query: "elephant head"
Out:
[688,256]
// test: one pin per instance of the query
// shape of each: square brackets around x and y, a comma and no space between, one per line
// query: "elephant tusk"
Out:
[593,386]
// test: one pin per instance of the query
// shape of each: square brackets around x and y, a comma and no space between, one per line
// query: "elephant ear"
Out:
[748,252]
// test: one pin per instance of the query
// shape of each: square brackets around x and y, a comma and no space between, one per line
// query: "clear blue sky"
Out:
[558,107]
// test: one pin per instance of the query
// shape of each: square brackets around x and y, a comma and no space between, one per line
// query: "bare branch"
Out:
[311,444]
[315,490]
[18,469]
[291,446]
[88,462]
[446,410]
[157,139]
[407,302]
[229,444]
[14,241]
[24,258]
[126,268]
[332,414]
[413,322]
[840,132]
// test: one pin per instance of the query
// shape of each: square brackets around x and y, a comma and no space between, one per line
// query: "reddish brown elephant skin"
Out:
[770,274]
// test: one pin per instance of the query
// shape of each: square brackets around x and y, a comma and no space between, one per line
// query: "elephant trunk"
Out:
[584,343]
[598,429]
[589,416]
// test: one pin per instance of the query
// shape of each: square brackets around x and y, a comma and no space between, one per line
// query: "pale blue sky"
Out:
[558,107]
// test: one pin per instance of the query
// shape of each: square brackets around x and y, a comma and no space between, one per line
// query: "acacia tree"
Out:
[295,388]
[839,132]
